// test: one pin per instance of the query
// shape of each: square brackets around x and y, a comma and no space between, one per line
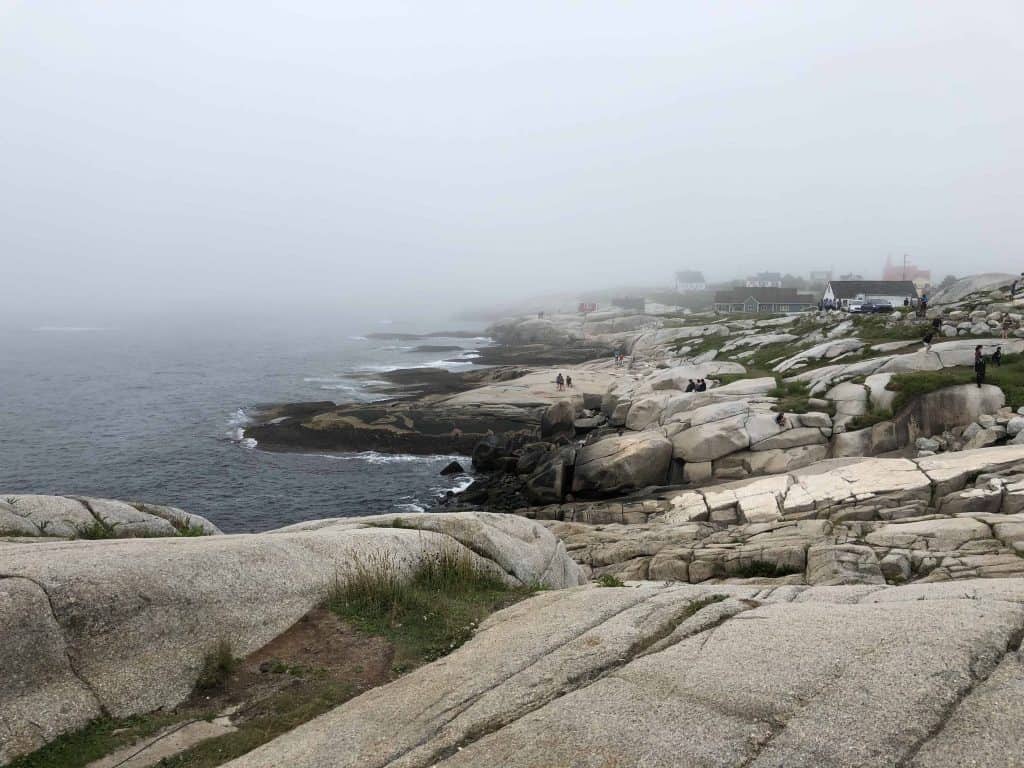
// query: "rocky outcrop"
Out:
[922,520]
[75,517]
[122,627]
[965,286]
[668,675]
[624,462]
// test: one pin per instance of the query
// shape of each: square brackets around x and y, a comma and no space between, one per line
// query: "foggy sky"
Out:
[182,155]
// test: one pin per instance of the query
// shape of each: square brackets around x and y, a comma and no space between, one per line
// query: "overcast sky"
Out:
[228,154]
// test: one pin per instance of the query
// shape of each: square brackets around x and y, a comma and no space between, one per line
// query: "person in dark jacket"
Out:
[691,387]
[997,357]
[928,339]
[979,366]
[701,385]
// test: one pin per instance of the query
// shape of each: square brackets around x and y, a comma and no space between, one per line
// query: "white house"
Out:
[765,280]
[841,292]
[690,280]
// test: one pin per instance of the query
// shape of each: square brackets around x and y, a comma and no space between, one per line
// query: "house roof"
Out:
[848,289]
[762,296]
[690,276]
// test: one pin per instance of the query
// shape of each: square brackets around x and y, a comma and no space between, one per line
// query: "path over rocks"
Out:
[659,675]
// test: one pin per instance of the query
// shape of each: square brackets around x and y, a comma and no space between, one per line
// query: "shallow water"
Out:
[151,412]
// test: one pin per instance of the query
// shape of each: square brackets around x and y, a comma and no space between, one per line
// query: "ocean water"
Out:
[151,411]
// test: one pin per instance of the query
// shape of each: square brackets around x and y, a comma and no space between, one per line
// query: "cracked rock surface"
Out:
[659,675]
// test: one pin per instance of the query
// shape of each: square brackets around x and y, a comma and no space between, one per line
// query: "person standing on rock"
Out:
[1006,326]
[559,382]
[997,357]
[928,339]
[979,366]
[568,381]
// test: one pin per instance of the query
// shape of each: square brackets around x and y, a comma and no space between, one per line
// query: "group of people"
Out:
[696,386]
[619,359]
[980,363]
[563,383]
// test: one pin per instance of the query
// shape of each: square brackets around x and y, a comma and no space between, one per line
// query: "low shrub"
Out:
[609,580]
[218,665]
[765,570]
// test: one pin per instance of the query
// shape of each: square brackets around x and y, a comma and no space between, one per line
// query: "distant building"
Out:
[765,280]
[820,275]
[587,306]
[906,270]
[851,276]
[690,280]
[842,292]
[757,299]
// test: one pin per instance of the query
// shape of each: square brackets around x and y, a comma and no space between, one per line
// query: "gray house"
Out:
[755,300]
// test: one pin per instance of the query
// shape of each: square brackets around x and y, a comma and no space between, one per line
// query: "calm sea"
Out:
[150,412]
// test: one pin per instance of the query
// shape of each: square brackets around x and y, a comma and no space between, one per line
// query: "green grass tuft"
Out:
[427,613]
[95,530]
[869,418]
[609,580]
[217,667]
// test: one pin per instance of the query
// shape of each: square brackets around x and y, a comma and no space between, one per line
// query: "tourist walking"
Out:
[928,339]
[997,357]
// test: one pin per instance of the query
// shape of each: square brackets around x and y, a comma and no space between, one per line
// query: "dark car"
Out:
[871,307]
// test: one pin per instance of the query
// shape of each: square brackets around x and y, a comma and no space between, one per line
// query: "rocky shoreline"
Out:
[818,560]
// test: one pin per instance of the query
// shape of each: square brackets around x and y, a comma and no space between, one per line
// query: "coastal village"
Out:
[786,528]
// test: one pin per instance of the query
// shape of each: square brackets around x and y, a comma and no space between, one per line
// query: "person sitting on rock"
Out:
[559,382]
[691,387]
[997,357]
[781,419]
[701,385]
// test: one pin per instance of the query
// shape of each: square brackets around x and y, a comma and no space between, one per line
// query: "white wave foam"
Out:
[373,457]
[411,507]
[248,442]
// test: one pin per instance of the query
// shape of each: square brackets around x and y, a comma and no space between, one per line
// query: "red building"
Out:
[904,269]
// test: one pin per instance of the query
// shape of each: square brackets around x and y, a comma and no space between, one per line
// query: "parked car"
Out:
[870,307]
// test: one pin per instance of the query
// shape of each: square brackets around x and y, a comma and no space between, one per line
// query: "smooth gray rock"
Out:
[132,619]
[616,463]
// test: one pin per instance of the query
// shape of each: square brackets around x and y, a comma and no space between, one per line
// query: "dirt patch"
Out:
[319,648]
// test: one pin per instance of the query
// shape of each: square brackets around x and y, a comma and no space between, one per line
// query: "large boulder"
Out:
[617,463]
[122,627]
[558,421]
[74,517]
[971,284]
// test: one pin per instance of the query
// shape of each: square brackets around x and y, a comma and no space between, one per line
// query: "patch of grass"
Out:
[609,580]
[95,530]
[793,397]
[872,329]
[702,603]
[426,614]
[1009,377]
[764,570]
[869,418]
[186,527]
[98,738]
[217,667]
